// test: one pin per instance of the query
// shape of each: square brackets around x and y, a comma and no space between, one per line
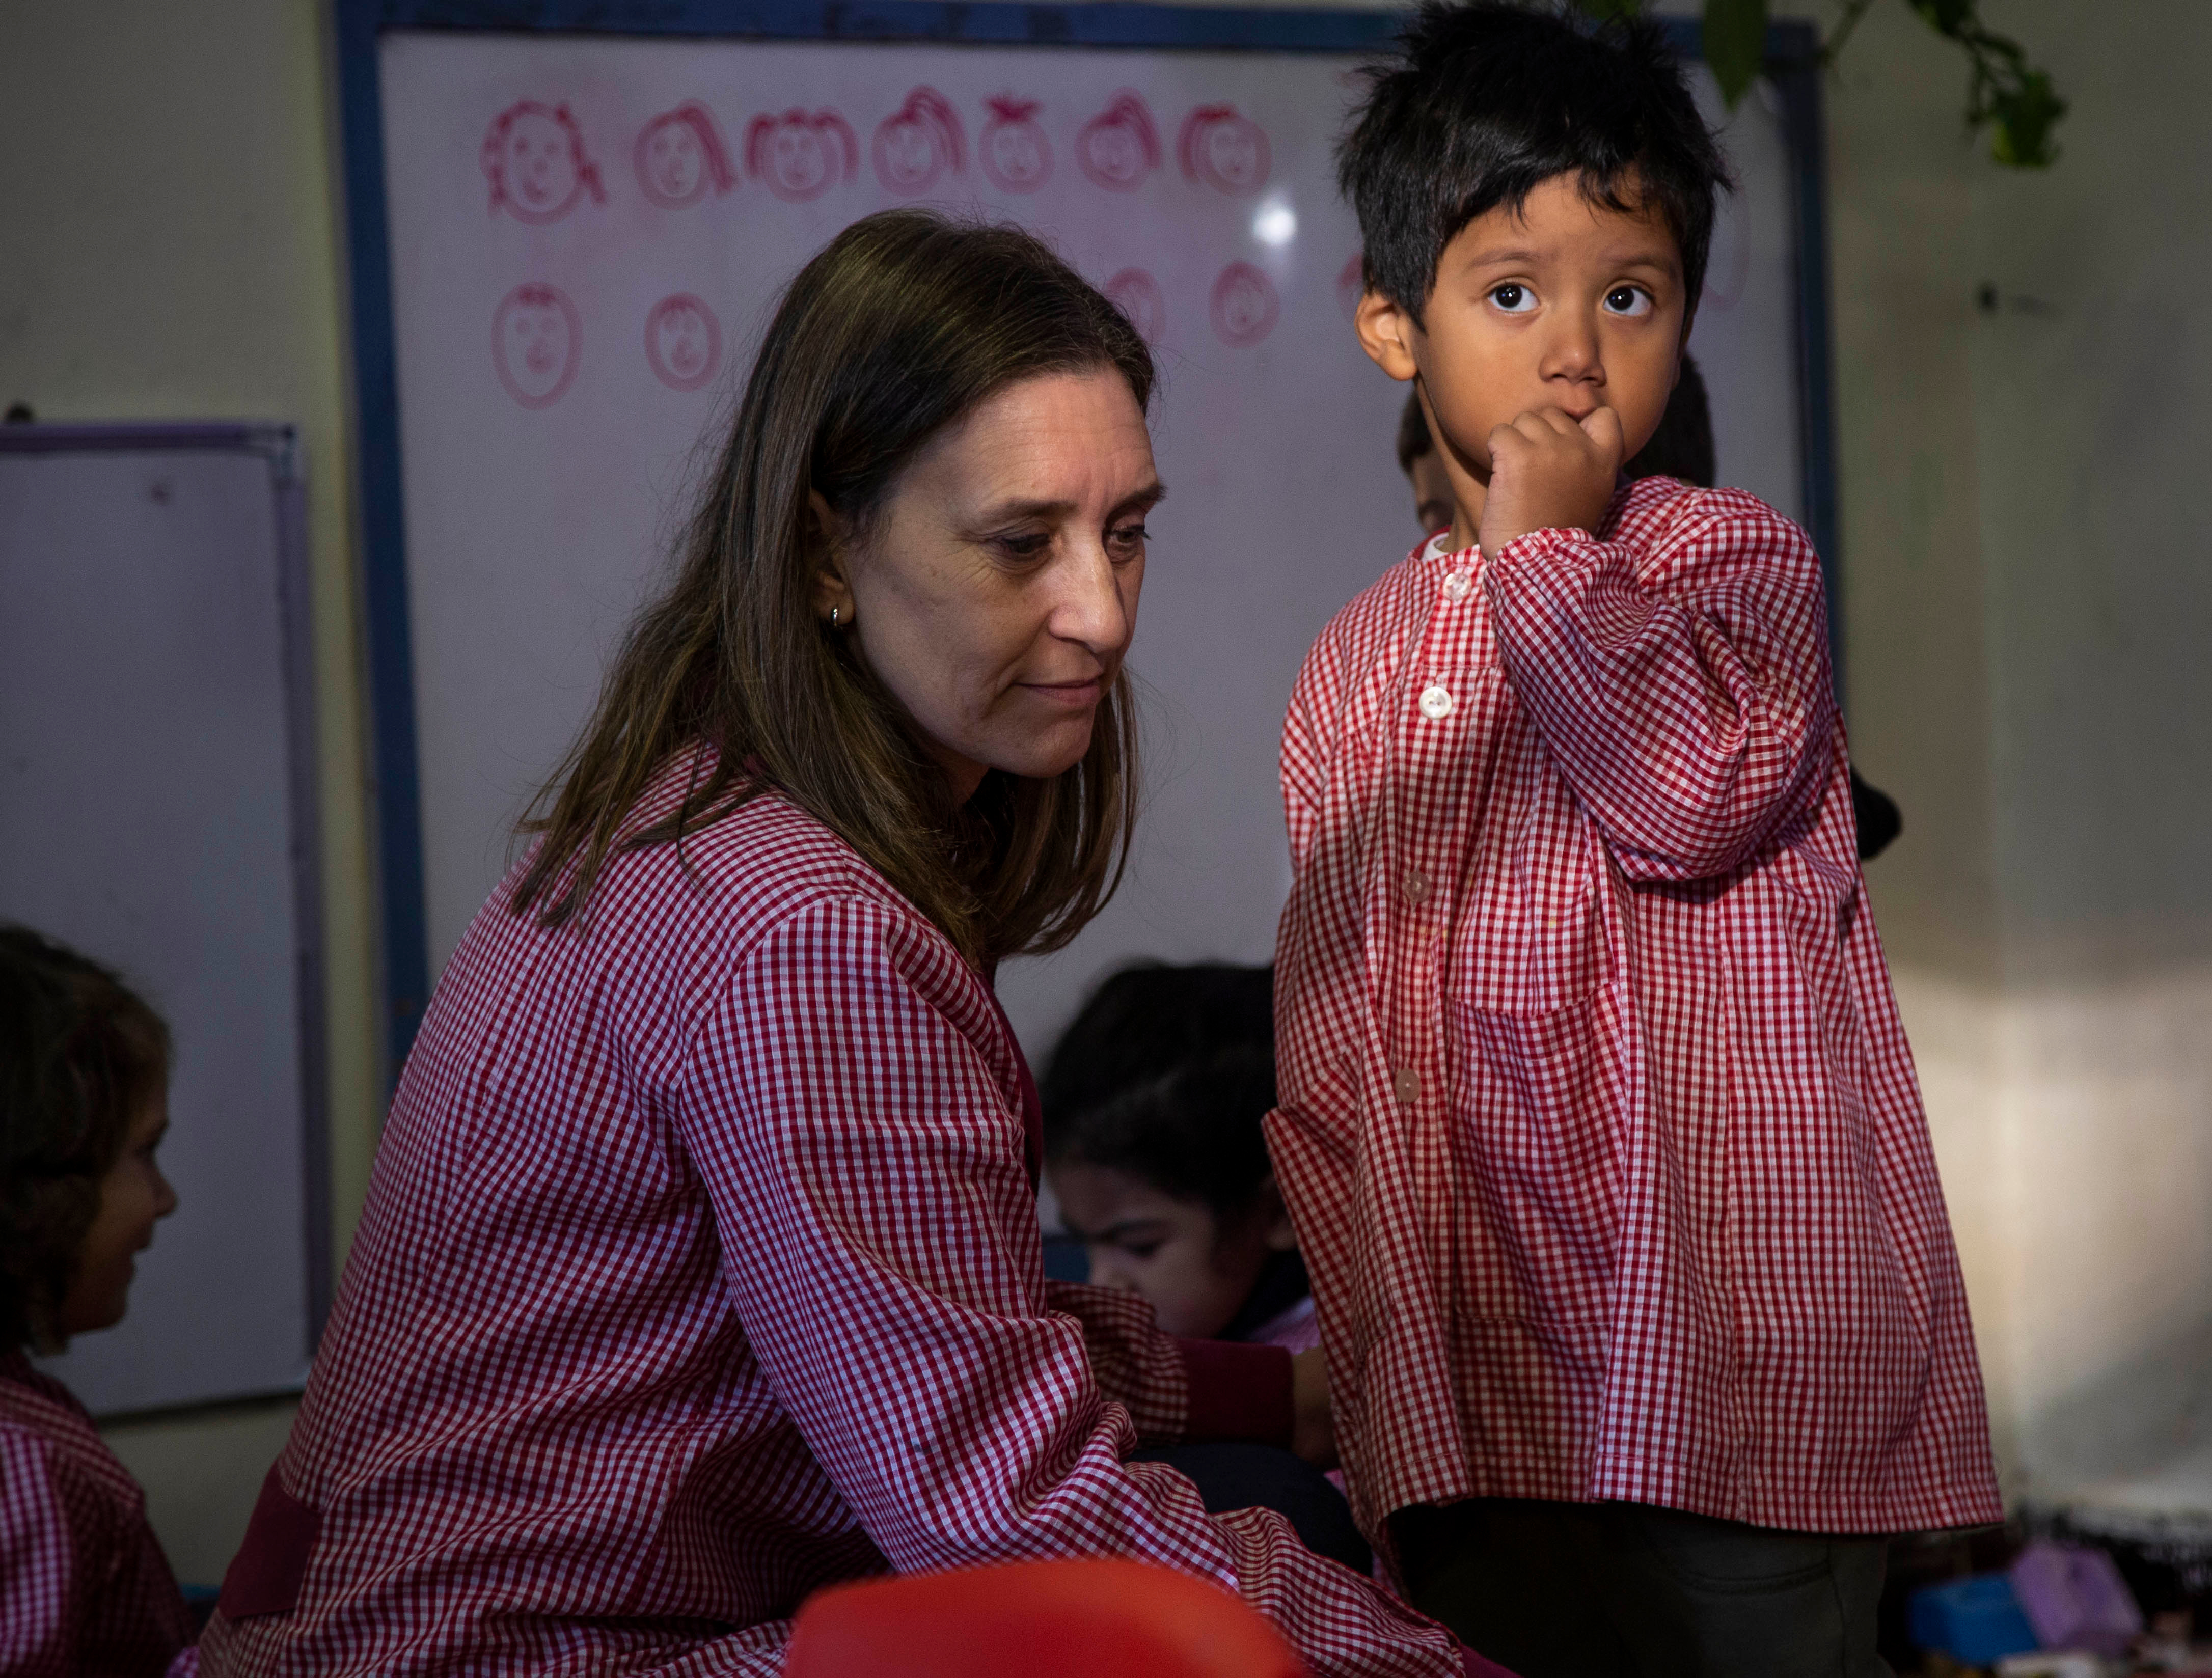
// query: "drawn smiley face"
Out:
[800,155]
[920,142]
[1138,295]
[1225,150]
[533,156]
[1119,148]
[682,342]
[1245,306]
[539,164]
[535,339]
[1015,152]
[673,164]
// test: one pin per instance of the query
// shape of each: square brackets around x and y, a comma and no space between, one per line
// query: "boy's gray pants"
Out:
[1628,1590]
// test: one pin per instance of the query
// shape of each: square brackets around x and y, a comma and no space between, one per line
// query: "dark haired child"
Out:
[84,1587]
[1682,447]
[1597,1126]
[1154,1104]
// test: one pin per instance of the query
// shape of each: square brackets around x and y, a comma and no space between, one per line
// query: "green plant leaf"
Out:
[2022,120]
[1735,43]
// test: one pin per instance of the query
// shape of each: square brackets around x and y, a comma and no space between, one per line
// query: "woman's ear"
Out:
[1275,1218]
[1387,333]
[825,551]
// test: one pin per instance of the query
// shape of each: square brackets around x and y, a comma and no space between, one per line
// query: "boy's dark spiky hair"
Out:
[1483,101]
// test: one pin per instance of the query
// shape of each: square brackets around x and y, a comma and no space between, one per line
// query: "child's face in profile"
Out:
[1195,1269]
[134,1196]
[1566,305]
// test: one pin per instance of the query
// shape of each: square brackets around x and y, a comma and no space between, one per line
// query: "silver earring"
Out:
[833,617]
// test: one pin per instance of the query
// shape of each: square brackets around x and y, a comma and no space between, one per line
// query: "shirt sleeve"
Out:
[881,1247]
[39,1583]
[1177,1391]
[1317,694]
[1684,694]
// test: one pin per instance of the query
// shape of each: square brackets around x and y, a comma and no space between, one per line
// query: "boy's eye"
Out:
[1630,300]
[1141,1249]
[1513,299]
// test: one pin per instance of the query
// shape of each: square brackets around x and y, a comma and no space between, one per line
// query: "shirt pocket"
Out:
[1541,1104]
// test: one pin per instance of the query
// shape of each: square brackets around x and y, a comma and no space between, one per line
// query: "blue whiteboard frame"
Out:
[1793,67]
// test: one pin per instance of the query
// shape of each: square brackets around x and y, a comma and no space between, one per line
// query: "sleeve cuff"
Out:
[1237,1392]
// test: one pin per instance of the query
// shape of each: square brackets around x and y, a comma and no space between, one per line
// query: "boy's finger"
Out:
[1603,429]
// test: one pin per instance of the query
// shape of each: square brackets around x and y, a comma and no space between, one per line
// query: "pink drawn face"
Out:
[1119,147]
[800,155]
[682,342]
[1244,306]
[918,143]
[533,156]
[673,166]
[1225,150]
[801,166]
[1016,154]
[539,165]
[535,339]
[1138,295]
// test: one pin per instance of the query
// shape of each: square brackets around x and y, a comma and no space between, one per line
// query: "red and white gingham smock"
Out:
[701,1269]
[84,1587]
[1598,1126]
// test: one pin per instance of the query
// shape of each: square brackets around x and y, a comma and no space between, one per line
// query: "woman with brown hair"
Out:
[701,1267]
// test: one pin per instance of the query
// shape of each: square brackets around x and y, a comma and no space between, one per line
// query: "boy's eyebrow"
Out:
[1116,1232]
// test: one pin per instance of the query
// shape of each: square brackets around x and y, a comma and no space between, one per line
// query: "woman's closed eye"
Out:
[1023,547]
[1126,542]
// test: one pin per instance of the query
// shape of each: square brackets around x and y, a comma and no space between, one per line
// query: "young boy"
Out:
[1597,1124]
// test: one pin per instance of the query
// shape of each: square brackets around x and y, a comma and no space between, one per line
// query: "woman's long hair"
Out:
[901,326]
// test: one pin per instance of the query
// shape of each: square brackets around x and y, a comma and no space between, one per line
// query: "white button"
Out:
[1405,1085]
[1436,702]
[1459,585]
[1415,886]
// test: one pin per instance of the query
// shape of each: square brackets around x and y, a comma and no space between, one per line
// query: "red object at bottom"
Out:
[1036,1619]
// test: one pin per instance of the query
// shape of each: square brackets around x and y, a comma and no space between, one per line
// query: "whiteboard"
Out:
[586,232]
[156,812]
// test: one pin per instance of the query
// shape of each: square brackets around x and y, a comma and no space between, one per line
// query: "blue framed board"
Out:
[576,62]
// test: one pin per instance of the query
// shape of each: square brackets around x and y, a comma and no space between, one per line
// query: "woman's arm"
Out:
[881,1245]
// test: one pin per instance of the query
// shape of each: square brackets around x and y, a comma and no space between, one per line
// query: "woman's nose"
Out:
[1090,608]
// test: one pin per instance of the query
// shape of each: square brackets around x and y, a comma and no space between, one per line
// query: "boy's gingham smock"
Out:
[701,1269]
[84,1587]
[1598,1125]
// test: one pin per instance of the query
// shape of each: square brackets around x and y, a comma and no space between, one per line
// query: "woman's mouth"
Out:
[1073,696]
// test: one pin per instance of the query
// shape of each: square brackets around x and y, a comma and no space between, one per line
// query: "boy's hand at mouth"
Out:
[1550,470]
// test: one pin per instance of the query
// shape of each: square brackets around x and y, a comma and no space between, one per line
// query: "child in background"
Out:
[1682,447]
[1154,1106]
[84,1068]
[1598,1127]
[1154,1103]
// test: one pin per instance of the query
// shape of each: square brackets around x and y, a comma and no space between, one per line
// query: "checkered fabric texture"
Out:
[1598,1125]
[701,1269]
[84,1587]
